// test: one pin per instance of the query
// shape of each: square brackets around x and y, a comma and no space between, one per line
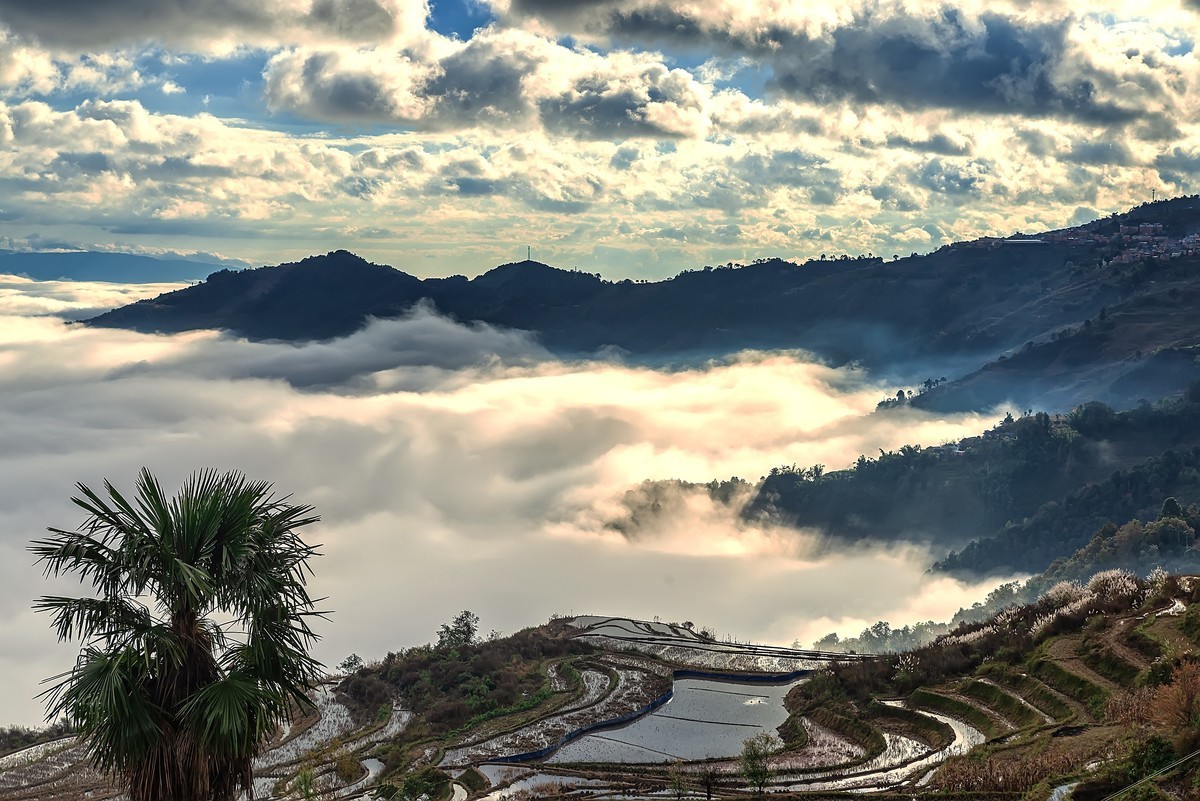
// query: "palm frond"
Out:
[86,618]
[170,699]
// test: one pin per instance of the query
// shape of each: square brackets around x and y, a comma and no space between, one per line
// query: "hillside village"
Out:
[1120,243]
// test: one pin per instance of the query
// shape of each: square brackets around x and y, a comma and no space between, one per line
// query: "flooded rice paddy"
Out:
[704,719]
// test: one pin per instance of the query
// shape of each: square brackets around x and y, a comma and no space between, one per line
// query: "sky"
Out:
[454,467]
[631,138]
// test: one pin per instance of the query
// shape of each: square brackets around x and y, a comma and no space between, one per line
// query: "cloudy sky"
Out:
[455,467]
[627,137]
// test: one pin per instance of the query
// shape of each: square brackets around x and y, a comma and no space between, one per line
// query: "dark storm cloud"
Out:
[788,168]
[70,164]
[599,107]
[322,85]
[484,84]
[662,23]
[359,186]
[478,84]
[89,25]
[791,168]
[1038,143]
[948,178]
[351,19]
[475,187]
[1099,152]
[624,158]
[1003,67]
[67,165]
[562,10]
[991,64]
[483,81]
[177,167]
[590,114]
[938,143]
[539,202]
[219,228]
[897,198]
[343,94]
[1180,166]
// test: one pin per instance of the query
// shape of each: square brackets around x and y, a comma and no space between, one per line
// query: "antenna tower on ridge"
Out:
[528,253]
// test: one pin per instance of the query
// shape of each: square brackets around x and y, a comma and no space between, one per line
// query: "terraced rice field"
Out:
[59,770]
[617,685]
[903,761]
[1049,700]
[705,719]
[684,646]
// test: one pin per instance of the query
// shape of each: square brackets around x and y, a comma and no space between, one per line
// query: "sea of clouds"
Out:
[455,467]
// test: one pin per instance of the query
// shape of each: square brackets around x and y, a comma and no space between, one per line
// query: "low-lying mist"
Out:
[455,467]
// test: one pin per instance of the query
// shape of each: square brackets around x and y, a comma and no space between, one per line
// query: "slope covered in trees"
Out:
[1029,491]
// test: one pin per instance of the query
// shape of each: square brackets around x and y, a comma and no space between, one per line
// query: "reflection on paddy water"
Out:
[704,719]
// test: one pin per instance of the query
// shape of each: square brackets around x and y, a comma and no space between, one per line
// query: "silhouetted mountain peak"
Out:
[342,260]
[528,271]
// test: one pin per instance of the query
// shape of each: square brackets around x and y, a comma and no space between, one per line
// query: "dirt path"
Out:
[1065,651]
[1114,640]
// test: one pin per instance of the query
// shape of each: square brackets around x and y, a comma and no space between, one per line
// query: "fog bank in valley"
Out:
[455,467]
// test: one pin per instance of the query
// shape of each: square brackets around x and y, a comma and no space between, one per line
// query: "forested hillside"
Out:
[1029,491]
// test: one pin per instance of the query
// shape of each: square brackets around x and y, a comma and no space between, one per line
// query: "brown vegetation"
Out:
[985,773]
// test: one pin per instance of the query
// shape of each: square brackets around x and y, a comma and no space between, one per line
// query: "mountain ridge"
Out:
[1002,311]
[126,268]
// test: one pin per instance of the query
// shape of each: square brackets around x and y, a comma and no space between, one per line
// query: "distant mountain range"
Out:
[123,268]
[1104,311]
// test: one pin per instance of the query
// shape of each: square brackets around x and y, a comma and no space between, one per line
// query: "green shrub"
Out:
[1190,622]
[1147,757]
[428,781]
[1144,644]
[568,672]
[953,707]
[347,768]
[1108,663]
[306,784]
[1071,685]
[1032,691]
[1006,705]
[453,688]
[14,738]
[473,780]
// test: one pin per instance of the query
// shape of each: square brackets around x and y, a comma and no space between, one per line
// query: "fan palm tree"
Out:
[194,642]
